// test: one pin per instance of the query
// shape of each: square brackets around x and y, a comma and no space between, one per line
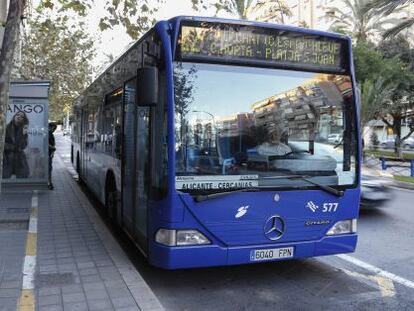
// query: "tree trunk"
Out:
[397,132]
[11,37]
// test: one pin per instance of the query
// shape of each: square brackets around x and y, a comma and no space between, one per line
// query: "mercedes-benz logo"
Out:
[274,228]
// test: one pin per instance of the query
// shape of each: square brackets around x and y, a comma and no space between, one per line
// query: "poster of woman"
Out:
[15,161]
[26,136]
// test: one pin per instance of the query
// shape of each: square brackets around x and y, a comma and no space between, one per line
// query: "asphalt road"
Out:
[378,276]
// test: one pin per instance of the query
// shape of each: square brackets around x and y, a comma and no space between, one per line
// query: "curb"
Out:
[403,185]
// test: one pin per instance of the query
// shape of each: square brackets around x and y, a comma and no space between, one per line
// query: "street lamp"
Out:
[214,125]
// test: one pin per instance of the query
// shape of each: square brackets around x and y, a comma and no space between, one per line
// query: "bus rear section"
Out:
[255,175]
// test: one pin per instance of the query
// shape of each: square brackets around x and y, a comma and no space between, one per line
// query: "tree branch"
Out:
[386,122]
[409,133]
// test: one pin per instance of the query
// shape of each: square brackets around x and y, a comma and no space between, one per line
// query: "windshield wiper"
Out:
[329,189]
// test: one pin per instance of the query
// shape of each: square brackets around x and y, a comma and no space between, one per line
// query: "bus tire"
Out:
[77,169]
[71,154]
[111,199]
[77,166]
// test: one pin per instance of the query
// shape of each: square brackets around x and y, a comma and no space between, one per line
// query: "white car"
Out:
[334,138]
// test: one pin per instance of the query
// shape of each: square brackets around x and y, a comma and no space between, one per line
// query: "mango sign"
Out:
[242,44]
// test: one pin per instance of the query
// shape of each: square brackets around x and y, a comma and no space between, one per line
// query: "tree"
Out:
[398,47]
[52,50]
[367,60]
[10,40]
[135,15]
[358,19]
[387,88]
[393,111]
[260,10]
[270,11]
[387,7]
[183,98]
[373,95]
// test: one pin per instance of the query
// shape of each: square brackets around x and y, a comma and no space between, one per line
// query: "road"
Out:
[378,276]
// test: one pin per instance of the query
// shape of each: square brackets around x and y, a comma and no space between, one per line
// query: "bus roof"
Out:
[176,21]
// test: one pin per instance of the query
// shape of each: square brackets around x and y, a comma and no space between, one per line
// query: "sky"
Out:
[223,92]
[116,41]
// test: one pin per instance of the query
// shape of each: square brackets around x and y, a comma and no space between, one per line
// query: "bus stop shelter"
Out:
[25,158]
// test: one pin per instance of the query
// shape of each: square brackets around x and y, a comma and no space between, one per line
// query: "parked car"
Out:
[375,191]
[66,132]
[334,138]
[390,143]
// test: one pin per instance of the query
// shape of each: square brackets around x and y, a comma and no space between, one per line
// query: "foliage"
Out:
[54,51]
[359,19]
[135,15]
[398,47]
[387,85]
[374,94]
[387,7]
[183,96]
[260,10]
[183,89]
[367,61]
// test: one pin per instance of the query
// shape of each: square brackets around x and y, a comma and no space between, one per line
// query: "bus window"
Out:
[111,124]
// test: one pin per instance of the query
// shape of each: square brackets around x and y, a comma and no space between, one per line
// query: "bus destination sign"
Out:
[230,43]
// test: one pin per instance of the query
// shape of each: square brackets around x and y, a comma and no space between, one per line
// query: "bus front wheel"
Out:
[111,201]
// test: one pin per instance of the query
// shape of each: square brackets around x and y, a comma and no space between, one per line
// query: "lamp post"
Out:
[214,125]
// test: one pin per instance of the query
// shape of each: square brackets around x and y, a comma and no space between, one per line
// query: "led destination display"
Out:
[238,43]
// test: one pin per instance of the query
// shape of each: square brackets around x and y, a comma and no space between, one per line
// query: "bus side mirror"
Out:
[147,88]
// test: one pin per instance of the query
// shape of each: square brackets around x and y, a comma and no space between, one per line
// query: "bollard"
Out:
[412,167]
[383,164]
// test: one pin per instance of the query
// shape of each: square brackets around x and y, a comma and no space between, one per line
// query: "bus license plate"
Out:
[268,254]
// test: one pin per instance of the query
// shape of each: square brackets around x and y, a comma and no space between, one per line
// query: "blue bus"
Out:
[210,142]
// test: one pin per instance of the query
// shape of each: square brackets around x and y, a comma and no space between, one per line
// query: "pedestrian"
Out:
[52,149]
[15,162]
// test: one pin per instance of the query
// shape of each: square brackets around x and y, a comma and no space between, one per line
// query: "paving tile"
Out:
[48,291]
[123,302]
[91,278]
[56,307]
[50,300]
[74,297]
[133,308]
[78,306]
[100,304]
[96,294]
[70,289]
[94,286]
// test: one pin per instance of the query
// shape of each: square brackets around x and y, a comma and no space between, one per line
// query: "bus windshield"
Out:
[241,127]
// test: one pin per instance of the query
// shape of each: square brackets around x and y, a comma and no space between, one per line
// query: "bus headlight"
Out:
[191,237]
[170,237]
[343,227]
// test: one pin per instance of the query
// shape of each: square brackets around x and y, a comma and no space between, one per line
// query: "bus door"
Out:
[84,143]
[129,156]
[135,177]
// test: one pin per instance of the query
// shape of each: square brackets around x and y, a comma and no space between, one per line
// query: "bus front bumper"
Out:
[213,255]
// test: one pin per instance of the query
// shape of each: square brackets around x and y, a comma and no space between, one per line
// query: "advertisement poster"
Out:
[25,151]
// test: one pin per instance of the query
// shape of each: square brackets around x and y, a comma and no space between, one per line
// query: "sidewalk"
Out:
[79,265]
